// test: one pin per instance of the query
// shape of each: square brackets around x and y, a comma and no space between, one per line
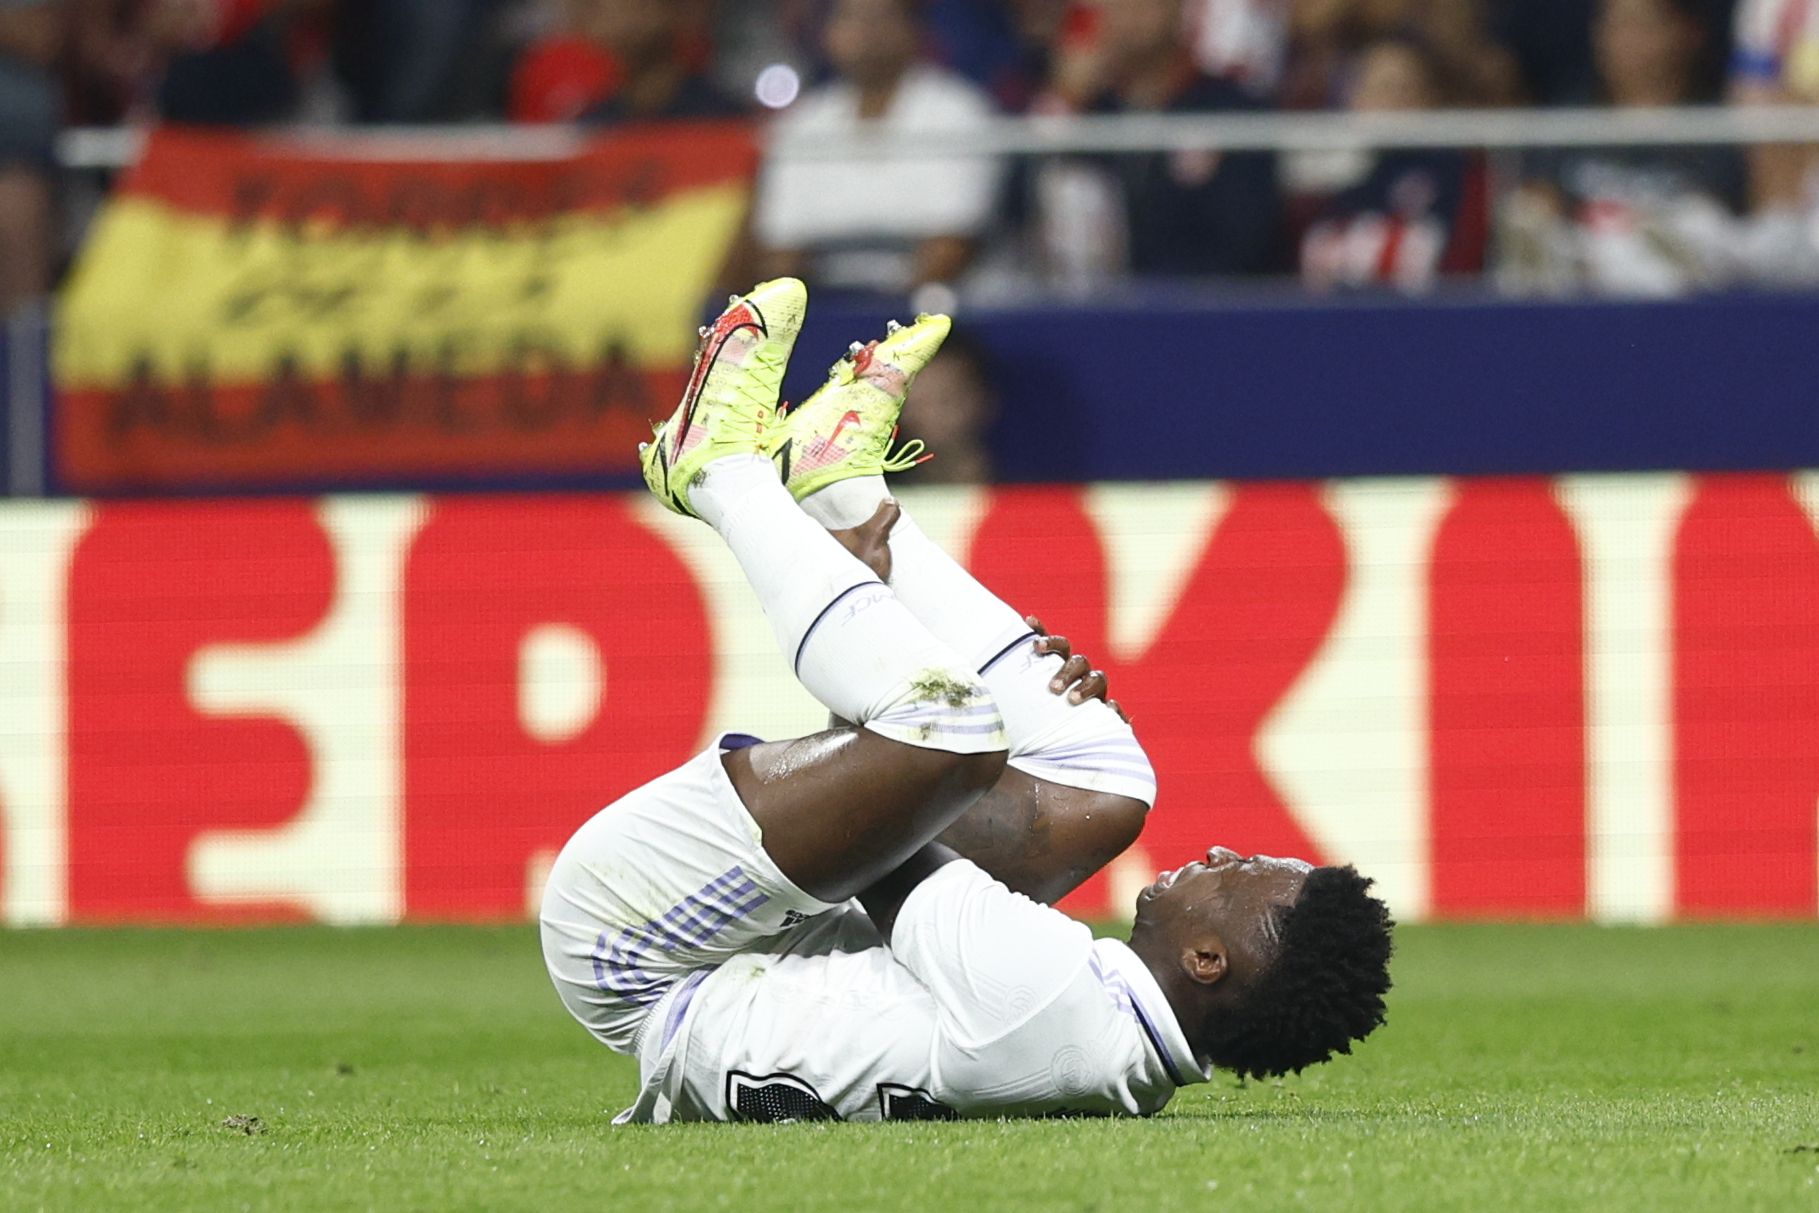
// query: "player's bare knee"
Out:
[956,774]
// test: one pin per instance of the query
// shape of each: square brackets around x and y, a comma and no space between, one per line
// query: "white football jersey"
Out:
[984,1004]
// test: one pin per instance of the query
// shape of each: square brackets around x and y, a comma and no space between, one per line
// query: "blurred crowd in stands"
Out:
[1650,221]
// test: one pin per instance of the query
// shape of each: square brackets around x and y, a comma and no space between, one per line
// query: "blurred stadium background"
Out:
[1441,372]
[1408,402]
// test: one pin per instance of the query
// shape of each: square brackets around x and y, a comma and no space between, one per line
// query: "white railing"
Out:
[1503,130]
[1487,129]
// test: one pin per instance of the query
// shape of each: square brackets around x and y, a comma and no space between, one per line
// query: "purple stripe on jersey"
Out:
[942,711]
[1149,1030]
[1110,747]
[1155,1039]
[692,922]
[1104,743]
[1061,770]
[1136,765]
[707,913]
[797,663]
[1126,1000]
[1129,759]
[1007,650]
[1117,987]
[679,1009]
[978,730]
[1107,758]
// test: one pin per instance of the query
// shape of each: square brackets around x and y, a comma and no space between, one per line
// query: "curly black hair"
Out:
[1323,990]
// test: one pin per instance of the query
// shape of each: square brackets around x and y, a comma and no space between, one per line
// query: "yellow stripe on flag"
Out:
[179,293]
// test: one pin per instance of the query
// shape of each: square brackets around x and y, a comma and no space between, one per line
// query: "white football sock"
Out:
[944,596]
[850,641]
[1077,745]
[845,504]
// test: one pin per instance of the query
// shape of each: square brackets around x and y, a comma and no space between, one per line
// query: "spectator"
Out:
[659,78]
[1244,41]
[890,224]
[1776,62]
[234,62]
[1193,213]
[1654,221]
[955,404]
[1551,41]
[30,40]
[405,61]
[1003,46]
[1321,34]
[1473,69]
[1417,214]
[560,73]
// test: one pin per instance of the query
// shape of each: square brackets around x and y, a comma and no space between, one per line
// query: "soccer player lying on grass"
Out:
[705,922]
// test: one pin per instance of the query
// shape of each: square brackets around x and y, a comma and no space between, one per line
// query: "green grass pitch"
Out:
[432,1068]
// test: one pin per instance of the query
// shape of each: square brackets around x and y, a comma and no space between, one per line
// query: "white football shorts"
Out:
[668,881]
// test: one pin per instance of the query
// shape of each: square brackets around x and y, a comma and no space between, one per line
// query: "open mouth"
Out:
[1165,880]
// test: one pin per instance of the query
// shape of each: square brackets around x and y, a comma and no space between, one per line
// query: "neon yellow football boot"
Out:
[846,428]
[731,397]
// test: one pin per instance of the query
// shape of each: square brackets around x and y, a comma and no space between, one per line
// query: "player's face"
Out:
[1232,894]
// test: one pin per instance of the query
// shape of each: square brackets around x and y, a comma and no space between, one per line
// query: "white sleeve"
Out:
[993,959]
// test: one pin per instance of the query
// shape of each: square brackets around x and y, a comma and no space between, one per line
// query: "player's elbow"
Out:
[1085,832]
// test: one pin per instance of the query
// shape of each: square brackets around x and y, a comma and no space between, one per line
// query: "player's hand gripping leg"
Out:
[1041,838]
[840,810]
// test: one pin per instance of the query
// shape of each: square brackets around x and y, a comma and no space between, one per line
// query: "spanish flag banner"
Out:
[267,312]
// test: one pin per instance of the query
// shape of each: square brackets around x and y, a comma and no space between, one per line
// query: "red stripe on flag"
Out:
[379,431]
[243,177]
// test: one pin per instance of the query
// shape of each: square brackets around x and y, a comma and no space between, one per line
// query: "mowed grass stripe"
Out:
[1524,1067]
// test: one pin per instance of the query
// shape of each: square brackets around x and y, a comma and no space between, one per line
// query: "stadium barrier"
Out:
[1578,697]
[1283,390]
[525,378]
[107,148]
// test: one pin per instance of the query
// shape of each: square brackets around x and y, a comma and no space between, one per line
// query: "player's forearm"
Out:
[1090,747]
[1041,839]
[1044,839]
